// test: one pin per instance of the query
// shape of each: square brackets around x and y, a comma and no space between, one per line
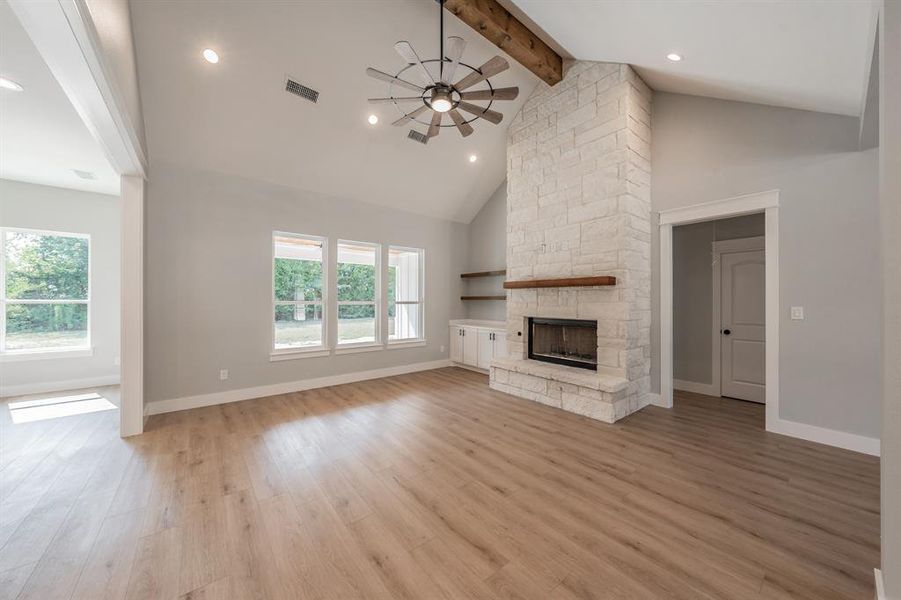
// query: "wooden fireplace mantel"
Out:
[564,282]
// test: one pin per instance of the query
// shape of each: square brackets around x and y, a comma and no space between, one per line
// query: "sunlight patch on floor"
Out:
[60,406]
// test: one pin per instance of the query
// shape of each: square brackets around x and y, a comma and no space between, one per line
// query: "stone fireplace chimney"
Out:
[578,204]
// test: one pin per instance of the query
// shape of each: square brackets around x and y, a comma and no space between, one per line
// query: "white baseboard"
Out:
[655,399]
[707,389]
[880,586]
[822,435]
[44,387]
[188,402]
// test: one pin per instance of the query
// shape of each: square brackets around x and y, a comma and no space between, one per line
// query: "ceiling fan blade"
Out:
[489,69]
[464,127]
[392,79]
[455,46]
[392,99]
[408,54]
[410,116]
[487,114]
[435,127]
[508,93]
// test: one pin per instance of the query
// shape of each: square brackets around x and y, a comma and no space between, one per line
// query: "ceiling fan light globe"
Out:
[442,105]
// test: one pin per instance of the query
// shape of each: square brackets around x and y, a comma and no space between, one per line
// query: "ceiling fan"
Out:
[438,94]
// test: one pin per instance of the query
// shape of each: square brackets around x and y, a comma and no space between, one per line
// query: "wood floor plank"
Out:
[432,485]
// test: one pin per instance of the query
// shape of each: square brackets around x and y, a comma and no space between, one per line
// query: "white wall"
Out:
[706,150]
[488,252]
[208,279]
[693,291]
[57,209]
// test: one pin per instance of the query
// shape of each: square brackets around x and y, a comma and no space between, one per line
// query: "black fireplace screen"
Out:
[564,341]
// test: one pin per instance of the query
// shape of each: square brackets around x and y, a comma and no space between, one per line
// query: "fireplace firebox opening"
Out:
[568,342]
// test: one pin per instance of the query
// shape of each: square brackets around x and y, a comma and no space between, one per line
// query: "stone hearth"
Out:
[578,204]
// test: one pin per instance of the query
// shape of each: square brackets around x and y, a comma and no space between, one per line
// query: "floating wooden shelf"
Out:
[500,272]
[565,282]
[483,297]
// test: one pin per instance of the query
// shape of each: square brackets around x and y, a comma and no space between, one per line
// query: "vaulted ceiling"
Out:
[810,54]
[234,117]
[42,138]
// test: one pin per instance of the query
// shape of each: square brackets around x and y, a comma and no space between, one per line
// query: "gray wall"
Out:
[56,209]
[208,279]
[890,192]
[693,291]
[706,150]
[488,252]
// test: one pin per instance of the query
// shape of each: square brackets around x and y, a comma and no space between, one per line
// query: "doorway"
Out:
[749,269]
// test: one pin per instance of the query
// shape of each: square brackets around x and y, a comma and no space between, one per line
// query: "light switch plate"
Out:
[223,374]
[797,313]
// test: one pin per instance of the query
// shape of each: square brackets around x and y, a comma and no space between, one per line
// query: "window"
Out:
[358,293]
[45,295]
[405,294]
[298,285]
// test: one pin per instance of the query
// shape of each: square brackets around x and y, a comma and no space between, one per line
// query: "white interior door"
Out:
[743,325]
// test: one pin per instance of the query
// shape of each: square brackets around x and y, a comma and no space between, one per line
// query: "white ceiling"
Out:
[236,118]
[806,54]
[42,138]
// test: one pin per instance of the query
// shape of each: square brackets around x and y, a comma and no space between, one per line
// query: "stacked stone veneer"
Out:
[578,203]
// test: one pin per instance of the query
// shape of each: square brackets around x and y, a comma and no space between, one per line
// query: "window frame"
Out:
[85,349]
[322,349]
[421,340]
[376,301]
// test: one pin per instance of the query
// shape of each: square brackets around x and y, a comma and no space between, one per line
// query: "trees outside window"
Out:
[298,284]
[357,287]
[45,297]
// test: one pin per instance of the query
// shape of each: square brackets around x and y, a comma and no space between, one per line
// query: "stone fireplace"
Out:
[578,205]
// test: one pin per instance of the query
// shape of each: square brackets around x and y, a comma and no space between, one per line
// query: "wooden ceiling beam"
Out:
[497,25]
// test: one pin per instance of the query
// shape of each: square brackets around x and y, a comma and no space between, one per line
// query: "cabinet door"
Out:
[500,344]
[486,348]
[470,346]
[456,343]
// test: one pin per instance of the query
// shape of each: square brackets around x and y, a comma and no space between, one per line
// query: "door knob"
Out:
[727,331]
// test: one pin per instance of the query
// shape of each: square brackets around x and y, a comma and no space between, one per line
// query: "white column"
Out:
[132,364]
[890,192]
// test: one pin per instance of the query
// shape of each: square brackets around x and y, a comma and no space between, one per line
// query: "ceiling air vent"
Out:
[298,89]
[418,137]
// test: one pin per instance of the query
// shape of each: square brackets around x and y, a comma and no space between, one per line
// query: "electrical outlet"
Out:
[117,361]
[442,349]
[223,374]
[797,313]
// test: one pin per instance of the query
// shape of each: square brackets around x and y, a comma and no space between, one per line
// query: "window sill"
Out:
[296,354]
[46,354]
[361,348]
[400,344]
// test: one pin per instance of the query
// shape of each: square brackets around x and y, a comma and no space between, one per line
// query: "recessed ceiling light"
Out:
[473,158]
[674,57]
[84,174]
[373,119]
[9,84]
[211,55]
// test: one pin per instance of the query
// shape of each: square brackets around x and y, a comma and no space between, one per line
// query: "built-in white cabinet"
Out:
[477,343]
[456,343]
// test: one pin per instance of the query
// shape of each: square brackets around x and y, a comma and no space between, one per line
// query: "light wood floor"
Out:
[431,486]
